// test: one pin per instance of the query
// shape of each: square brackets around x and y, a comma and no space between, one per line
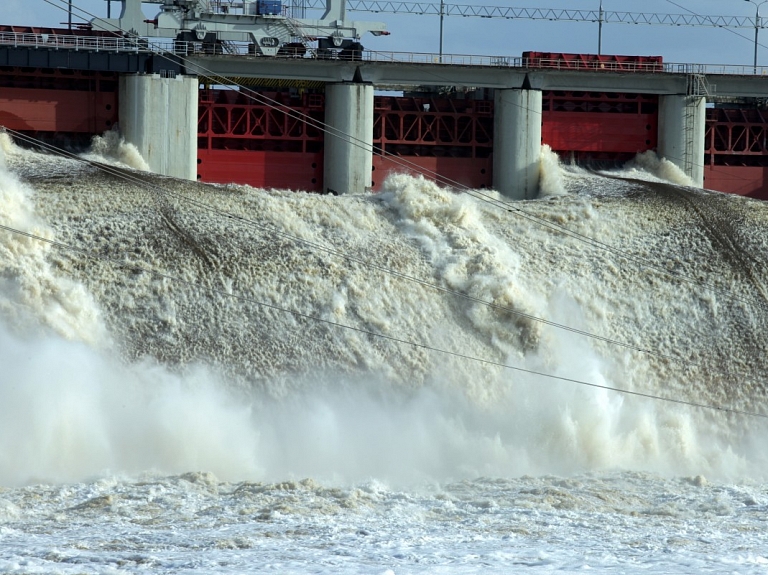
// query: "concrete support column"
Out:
[349,143]
[159,117]
[517,143]
[682,125]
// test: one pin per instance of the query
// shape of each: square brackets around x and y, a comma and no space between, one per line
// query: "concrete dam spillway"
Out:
[230,377]
[276,295]
[485,321]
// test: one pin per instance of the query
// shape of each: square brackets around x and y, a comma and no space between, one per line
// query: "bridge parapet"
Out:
[51,38]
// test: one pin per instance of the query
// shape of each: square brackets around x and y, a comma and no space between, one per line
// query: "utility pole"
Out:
[69,20]
[600,30]
[757,27]
[442,14]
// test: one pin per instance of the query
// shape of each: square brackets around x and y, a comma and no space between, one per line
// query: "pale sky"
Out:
[501,37]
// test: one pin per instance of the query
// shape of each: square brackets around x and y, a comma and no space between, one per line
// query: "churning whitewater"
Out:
[221,379]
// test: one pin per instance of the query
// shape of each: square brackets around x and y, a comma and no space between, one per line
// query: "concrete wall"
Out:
[517,143]
[682,127]
[348,158]
[159,117]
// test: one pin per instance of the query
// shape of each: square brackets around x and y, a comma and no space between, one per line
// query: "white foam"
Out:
[68,412]
[328,402]
[33,293]
[551,177]
[111,148]
[648,165]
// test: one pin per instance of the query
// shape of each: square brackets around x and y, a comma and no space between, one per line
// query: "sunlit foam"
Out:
[111,148]
[33,294]
[647,164]
[550,174]
[70,410]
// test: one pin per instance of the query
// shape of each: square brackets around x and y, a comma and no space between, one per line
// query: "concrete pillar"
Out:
[682,125]
[159,117]
[349,143]
[517,143]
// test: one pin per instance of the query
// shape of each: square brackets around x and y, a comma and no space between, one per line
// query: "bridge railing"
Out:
[448,59]
[564,64]
[74,42]
[120,44]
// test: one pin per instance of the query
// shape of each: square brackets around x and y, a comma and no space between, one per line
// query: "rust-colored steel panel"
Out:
[73,111]
[608,125]
[262,169]
[474,173]
[595,132]
[749,181]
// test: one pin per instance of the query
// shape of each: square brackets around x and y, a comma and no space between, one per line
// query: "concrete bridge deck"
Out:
[385,69]
[382,69]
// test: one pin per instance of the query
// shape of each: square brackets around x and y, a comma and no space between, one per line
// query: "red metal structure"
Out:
[271,146]
[599,126]
[268,143]
[736,151]
[446,136]
[613,63]
[67,104]
[265,144]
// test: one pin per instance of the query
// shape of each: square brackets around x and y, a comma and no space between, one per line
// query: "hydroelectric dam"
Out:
[316,120]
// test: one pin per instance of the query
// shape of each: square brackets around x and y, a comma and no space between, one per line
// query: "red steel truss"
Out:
[736,151]
[737,137]
[264,143]
[266,146]
[445,136]
[605,62]
[230,120]
[258,144]
[435,127]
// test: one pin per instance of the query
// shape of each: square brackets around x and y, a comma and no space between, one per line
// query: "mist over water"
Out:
[105,368]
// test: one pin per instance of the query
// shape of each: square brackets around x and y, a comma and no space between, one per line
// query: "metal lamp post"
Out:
[757,26]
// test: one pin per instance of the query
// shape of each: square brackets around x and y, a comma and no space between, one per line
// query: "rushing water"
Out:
[193,378]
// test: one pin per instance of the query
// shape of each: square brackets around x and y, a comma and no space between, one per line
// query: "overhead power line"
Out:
[561,14]
[481,197]
[394,339]
[510,207]
[144,267]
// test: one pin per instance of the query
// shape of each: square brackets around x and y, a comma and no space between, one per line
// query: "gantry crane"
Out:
[261,23]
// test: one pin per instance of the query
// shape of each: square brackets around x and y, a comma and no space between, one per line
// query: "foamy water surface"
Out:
[162,410]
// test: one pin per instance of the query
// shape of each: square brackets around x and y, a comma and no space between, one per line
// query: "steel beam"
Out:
[92,61]
[739,86]
[404,74]
[381,74]
[639,83]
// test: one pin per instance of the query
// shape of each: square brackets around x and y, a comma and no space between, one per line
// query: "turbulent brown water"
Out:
[220,379]
[256,315]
